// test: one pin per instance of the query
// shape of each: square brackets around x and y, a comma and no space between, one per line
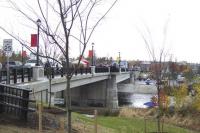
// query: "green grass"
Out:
[130,125]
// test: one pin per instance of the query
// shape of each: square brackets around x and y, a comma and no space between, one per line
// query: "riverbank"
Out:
[189,121]
[128,120]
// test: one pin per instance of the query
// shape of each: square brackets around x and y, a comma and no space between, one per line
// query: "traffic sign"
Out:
[7,46]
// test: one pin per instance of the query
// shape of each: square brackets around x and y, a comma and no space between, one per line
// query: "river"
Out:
[136,95]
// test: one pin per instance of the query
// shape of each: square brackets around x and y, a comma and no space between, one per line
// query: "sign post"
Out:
[7,48]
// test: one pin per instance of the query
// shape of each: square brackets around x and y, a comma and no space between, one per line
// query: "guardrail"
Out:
[14,101]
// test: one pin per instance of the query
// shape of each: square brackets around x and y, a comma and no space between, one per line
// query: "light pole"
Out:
[119,59]
[38,36]
[92,54]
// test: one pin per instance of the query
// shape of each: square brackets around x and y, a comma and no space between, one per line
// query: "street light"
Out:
[38,36]
[92,54]
[119,59]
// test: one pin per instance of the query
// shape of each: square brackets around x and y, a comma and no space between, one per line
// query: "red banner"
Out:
[90,54]
[34,40]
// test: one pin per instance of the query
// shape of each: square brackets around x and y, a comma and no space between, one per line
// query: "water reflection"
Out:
[134,100]
[138,100]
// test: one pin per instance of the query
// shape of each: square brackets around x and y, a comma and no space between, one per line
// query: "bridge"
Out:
[95,87]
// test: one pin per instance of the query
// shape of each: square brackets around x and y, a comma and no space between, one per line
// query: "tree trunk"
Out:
[68,98]
[49,75]
[158,117]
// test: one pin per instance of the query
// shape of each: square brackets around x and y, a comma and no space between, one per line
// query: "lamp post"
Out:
[22,55]
[38,36]
[92,54]
[119,59]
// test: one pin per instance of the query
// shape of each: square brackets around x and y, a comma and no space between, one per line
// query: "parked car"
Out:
[12,64]
[32,63]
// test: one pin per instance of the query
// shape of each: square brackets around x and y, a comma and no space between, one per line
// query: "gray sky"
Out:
[119,31]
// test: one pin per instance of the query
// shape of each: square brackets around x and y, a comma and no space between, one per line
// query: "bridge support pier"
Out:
[112,95]
[132,78]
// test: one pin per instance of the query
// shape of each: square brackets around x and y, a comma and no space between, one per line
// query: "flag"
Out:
[90,54]
[34,40]
[23,53]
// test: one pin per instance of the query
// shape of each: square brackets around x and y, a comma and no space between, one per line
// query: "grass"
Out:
[129,125]
[106,124]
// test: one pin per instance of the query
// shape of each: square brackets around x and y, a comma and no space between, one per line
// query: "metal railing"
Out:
[14,101]
[16,75]
[101,69]
[81,71]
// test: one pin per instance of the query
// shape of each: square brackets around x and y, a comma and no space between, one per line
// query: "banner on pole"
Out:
[34,40]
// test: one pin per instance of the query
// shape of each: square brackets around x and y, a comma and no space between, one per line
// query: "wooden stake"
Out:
[62,125]
[40,116]
[145,125]
[95,121]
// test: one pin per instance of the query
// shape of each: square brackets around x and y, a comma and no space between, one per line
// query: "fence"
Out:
[16,75]
[14,101]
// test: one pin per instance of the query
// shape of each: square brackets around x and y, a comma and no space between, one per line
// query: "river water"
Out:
[134,100]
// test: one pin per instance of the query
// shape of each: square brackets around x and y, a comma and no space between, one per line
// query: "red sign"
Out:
[34,40]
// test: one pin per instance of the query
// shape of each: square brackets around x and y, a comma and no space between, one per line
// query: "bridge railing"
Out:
[14,101]
[61,71]
[81,71]
[102,69]
[16,75]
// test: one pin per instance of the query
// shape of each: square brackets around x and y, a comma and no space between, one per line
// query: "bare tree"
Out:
[70,19]
[159,63]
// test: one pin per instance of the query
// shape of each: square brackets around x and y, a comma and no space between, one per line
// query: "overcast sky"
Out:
[120,30]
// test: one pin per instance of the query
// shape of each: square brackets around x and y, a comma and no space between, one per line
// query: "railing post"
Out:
[86,70]
[1,98]
[15,75]
[25,96]
[8,77]
[29,74]
[22,74]
[81,69]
